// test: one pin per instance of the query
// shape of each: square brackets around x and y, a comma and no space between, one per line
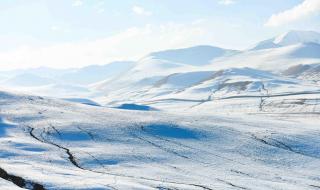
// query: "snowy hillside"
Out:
[62,83]
[305,72]
[160,64]
[274,59]
[191,73]
[185,91]
[193,118]
[160,95]
[27,80]
[204,54]
[96,73]
[183,73]
[289,38]
[52,144]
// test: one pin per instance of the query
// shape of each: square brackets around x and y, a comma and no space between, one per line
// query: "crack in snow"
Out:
[19,181]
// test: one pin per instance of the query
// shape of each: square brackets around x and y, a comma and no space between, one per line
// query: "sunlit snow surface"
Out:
[64,145]
[194,118]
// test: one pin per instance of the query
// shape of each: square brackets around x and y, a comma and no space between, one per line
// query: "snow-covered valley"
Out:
[194,118]
[60,145]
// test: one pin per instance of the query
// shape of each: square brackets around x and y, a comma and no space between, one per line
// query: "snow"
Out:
[28,80]
[296,36]
[3,128]
[135,107]
[208,86]
[289,38]
[193,118]
[114,149]
[177,69]
[183,80]
[95,73]
[308,50]
[205,54]
[82,101]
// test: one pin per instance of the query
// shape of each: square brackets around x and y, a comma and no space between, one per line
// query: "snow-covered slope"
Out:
[304,72]
[196,56]
[289,38]
[52,144]
[54,90]
[159,64]
[274,59]
[62,83]
[27,80]
[196,118]
[190,73]
[179,92]
[176,75]
[295,37]
[96,73]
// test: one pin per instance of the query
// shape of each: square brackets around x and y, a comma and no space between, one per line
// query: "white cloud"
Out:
[303,10]
[99,7]
[130,44]
[55,28]
[226,2]
[101,10]
[77,3]
[141,11]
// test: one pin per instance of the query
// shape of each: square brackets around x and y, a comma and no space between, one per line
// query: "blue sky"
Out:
[75,33]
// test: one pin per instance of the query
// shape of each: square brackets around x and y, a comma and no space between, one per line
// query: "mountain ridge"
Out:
[289,38]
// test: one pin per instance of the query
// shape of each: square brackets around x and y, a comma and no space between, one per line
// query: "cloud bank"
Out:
[130,44]
[141,11]
[226,2]
[77,3]
[303,10]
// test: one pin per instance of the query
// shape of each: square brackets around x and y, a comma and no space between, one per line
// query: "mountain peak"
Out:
[297,36]
[289,38]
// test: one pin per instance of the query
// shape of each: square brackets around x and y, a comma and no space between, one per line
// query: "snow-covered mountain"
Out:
[28,80]
[289,38]
[175,74]
[194,72]
[96,73]
[304,72]
[63,83]
[206,87]
[193,118]
[160,64]
[151,68]
[204,55]
[273,59]
[295,37]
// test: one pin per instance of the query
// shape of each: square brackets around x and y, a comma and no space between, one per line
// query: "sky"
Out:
[77,33]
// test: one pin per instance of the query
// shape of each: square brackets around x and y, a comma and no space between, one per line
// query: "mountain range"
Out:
[288,63]
[198,118]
